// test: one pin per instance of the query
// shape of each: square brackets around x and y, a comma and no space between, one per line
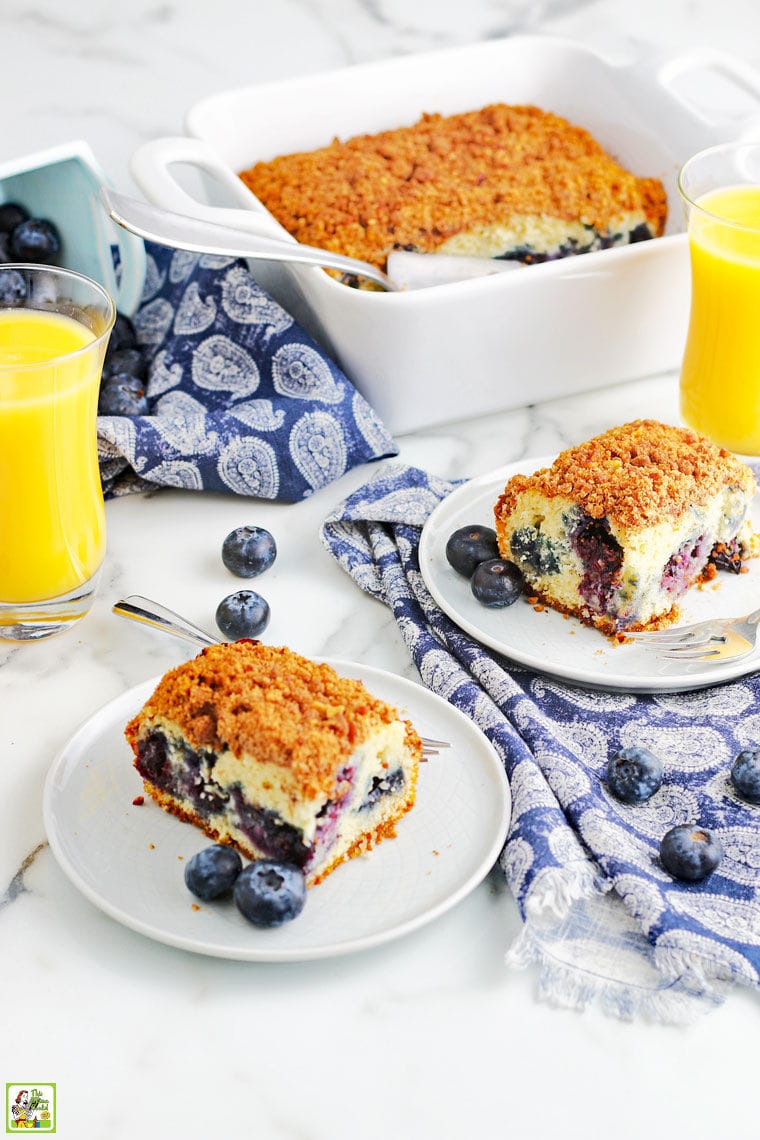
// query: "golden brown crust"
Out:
[418,186]
[271,704]
[635,475]
[601,622]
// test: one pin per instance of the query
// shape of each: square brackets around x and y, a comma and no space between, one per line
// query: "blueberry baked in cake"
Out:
[504,181]
[617,529]
[277,755]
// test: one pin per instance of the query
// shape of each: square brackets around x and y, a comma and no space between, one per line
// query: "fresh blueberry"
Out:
[13,288]
[123,335]
[634,774]
[11,215]
[496,583]
[690,853]
[532,548]
[36,239]
[243,614]
[122,395]
[248,551]
[469,546]
[4,247]
[269,893]
[745,775]
[130,361]
[212,871]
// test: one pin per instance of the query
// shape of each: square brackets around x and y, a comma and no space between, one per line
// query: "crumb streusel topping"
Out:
[635,475]
[271,704]
[419,185]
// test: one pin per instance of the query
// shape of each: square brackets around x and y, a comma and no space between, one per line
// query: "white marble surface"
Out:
[428,1037]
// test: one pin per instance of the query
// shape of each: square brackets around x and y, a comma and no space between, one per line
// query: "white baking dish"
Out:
[476,346]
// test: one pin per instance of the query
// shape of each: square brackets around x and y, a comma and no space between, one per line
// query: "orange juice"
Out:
[720,376]
[51,503]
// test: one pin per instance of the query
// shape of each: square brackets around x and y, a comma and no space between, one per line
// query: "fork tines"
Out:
[716,640]
[431,747]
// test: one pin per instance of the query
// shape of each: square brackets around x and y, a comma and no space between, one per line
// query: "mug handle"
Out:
[151,167]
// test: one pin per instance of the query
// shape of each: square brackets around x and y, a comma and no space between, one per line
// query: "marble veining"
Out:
[17,885]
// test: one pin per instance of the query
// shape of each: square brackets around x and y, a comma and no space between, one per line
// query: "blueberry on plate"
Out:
[745,774]
[690,852]
[35,239]
[496,583]
[242,614]
[470,545]
[212,871]
[269,893]
[13,288]
[122,395]
[248,551]
[634,774]
[4,244]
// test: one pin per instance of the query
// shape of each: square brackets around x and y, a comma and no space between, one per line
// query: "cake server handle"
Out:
[180,231]
[160,617]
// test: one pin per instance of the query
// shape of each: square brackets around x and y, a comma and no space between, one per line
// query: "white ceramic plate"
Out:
[129,860]
[562,647]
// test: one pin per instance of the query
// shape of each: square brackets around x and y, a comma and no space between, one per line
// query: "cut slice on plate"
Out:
[277,755]
[620,527]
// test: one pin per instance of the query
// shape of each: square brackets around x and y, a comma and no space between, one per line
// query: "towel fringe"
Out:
[569,988]
[555,891]
[686,994]
[686,970]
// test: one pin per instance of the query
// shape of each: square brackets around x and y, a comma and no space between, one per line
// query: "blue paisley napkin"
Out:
[241,399]
[602,919]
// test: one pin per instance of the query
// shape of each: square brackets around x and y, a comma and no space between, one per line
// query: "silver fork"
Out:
[141,609]
[718,639]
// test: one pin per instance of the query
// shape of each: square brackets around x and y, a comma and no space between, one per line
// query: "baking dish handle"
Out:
[732,71]
[152,165]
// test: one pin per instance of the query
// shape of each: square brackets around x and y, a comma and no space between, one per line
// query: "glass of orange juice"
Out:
[720,374]
[54,328]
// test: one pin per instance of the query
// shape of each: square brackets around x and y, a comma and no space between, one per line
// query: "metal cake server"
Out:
[406,270]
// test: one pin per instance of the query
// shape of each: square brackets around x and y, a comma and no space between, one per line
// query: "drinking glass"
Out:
[720,374]
[54,328]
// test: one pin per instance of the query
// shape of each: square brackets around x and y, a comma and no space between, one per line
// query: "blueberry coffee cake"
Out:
[617,529]
[277,755]
[504,181]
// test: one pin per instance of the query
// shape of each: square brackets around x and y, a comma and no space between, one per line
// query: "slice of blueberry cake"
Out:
[617,529]
[277,755]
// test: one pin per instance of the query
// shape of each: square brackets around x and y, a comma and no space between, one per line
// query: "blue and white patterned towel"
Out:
[601,916]
[241,399]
